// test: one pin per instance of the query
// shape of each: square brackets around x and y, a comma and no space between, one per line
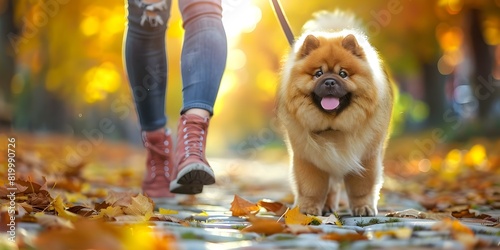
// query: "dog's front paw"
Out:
[307,206]
[365,210]
[312,210]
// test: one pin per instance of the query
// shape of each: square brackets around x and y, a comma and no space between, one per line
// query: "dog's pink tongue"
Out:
[329,103]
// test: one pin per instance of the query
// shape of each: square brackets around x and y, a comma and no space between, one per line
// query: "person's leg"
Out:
[146,59]
[203,61]
[146,66]
[204,53]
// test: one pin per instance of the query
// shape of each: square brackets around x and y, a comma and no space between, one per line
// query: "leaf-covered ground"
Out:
[74,194]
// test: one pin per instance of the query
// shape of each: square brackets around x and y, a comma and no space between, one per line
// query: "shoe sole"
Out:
[185,189]
[196,174]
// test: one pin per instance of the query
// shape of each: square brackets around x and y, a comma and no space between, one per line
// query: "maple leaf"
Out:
[82,210]
[32,187]
[119,198]
[265,226]
[53,222]
[458,231]
[110,212]
[61,210]
[102,205]
[295,217]
[243,207]
[467,213]
[4,191]
[454,226]
[140,205]
[164,217]
[23,208]
[413,213]
[349,237]
[39,201]
[275,207]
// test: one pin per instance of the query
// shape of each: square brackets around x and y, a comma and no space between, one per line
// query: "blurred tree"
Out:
[69,66]
[7,62]
[477,24]
[39,109]
[485,91]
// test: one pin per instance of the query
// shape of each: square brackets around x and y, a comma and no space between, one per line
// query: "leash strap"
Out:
[283,21]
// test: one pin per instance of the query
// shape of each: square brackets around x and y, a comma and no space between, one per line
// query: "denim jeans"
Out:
[203,57]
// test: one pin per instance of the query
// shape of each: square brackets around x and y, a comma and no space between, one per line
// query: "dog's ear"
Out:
[351,44]
[310,43]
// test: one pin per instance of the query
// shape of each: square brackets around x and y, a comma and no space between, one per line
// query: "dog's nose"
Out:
[330,82]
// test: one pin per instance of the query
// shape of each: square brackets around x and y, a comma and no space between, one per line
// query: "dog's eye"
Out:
[318,73]
[343,74]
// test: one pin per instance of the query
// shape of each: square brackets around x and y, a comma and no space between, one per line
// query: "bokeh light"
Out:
[237,59]
[101,81]
[424,165]
[492,30]
[240,17]
[452,6]
[90,25]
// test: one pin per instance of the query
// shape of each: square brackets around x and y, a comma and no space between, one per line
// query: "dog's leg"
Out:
[333,197]
[363,189]
[311,186]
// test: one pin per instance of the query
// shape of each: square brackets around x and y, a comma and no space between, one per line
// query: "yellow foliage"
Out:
[62,212]
[203,213]
[167,211]
[75,197]
[147,238]
[294,216]
[453,160]
[110,212]
[476,157]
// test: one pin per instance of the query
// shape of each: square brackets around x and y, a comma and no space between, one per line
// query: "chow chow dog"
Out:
[334,103]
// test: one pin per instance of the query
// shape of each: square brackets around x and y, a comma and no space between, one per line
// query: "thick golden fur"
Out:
[328,148]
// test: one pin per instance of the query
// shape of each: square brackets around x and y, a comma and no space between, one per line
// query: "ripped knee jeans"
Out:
[151,12]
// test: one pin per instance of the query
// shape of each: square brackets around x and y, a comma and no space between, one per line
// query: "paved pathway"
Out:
[255,181]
